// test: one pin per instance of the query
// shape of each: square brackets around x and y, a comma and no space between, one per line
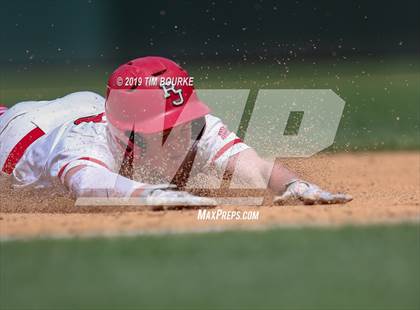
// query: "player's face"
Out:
[166,151]
[172,143]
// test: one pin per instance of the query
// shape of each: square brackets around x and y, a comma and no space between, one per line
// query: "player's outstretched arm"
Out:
[254,170]
[249,168]
[89,181]
[92,181]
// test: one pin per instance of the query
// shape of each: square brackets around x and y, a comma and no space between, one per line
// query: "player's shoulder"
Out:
[94,120]
[215,128]
[78,103]
[87,132]
[212,121]
[90,126]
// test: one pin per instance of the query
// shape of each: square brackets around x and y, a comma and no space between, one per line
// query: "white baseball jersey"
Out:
[41,141]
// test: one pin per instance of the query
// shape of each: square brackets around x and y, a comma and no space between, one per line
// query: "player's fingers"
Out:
[315,196]
[326,198]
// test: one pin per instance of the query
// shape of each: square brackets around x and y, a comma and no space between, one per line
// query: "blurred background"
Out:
[366,51]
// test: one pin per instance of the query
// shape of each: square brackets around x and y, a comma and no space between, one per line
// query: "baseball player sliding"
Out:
[142,141]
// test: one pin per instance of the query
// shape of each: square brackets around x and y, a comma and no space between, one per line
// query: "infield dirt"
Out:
[385,187]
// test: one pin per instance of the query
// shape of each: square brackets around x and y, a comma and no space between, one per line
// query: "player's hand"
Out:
[166,195]
[310,194]
[177,198]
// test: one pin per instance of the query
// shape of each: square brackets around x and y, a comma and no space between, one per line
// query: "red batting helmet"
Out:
[149,95]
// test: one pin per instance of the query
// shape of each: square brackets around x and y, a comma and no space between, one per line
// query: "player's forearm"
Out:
[96,182]
[280,176]
[248,167]
[87,181]
[275,175]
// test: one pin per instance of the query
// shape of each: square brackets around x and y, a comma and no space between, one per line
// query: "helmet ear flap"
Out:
[136,139]
[197,128]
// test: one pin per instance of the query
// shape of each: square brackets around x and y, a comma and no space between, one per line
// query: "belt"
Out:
[20,148]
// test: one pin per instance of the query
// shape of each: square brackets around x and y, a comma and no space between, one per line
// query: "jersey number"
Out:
[98,118]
